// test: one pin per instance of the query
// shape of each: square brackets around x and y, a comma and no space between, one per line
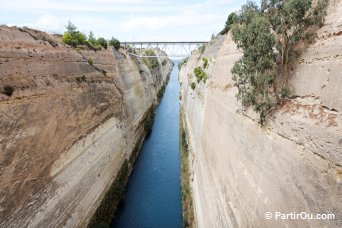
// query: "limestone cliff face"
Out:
[294,164]
[66,125]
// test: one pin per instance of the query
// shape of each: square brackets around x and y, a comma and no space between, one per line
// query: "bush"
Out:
[115,43]
[101,41]
[8,90]
[182,63]
[200,74]
[193,85]
[91,38]
[90,61]
[106,210]
[150,62]
[205,63]
[229,23]
[73,37]
[93,47]
[81,78]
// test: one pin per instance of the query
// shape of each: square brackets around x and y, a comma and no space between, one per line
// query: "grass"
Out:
[187,202]
[111,200]
[106,211]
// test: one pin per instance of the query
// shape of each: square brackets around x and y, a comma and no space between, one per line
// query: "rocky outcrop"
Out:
[241,170]
[69,119]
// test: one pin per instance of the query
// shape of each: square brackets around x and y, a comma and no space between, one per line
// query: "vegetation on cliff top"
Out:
[73,37]
[271,37]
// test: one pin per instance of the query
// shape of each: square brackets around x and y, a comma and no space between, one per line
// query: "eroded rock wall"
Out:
[240,170]
[73,118]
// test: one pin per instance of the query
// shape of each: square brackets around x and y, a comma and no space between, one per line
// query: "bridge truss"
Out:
[178,49]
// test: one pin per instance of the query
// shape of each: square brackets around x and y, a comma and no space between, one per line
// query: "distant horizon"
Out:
[126,20]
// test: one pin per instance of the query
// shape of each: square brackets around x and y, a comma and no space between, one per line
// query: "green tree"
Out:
[115,43]
[71,28]
[101,41]
[230,21]
[254,73]
[288,19]
[269,38]
[72,36]
[91,38]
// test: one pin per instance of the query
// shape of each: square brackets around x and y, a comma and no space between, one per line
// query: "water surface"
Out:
[153,196]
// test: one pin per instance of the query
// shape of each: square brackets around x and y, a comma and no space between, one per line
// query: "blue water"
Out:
[153,196]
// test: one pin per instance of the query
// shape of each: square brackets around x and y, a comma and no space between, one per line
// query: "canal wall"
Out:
[240,170]
[70,118]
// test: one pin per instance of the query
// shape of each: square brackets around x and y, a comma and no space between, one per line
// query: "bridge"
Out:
[174,49]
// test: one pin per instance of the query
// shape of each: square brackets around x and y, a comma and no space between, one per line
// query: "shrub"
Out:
[205,63]
[229,23]
[182,63]
[200,74]
[90,61]
[73,37]
[111,199]
[193,85]
[8,90]
[115,43]
[93,47]
[91,39]
[81,78]
[101,41]
[150,62]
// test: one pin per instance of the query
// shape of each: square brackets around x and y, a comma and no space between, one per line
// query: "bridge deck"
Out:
[164,42]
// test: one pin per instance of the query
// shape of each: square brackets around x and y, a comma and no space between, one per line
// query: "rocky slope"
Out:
[240,170]
[69,119]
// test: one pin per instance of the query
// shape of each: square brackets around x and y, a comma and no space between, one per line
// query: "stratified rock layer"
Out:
[240,170]
[73,118]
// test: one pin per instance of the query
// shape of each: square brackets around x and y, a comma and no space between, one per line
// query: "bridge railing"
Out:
[171,48]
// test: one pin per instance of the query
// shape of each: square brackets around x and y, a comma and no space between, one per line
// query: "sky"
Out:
[127,20]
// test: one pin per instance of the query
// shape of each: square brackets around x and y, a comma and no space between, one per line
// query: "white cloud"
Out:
[184,19]
[47,22]
[122,6]
[137,19]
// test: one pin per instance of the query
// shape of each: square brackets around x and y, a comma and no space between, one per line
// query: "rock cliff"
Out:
[69,119]
[240,170]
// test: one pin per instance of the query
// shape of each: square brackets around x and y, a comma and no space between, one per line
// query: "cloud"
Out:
[184,19]
[121,6]
[124,19]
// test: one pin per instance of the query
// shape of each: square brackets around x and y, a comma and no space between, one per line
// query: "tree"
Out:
[72,36]
[254,72]
[71,28]
[115,43]
[288,20]
[269,38]
[91,38]
[101,41]
[230,21]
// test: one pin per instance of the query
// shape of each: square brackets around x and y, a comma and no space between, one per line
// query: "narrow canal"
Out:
[153,196]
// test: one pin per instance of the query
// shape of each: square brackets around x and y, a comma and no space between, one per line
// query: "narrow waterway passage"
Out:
[153,196]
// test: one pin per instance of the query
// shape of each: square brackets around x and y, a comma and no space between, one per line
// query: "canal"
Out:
[153,195]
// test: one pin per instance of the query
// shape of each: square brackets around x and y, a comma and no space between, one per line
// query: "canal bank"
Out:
[153,196]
